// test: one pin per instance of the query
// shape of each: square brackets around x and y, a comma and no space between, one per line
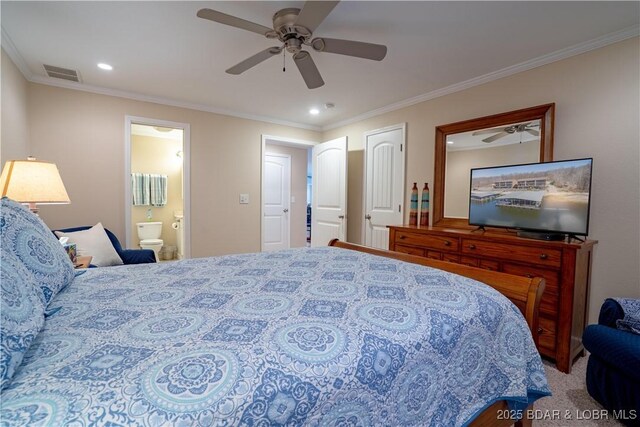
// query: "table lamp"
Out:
[33,182]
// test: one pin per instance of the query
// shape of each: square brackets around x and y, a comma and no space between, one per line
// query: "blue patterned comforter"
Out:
[317,337]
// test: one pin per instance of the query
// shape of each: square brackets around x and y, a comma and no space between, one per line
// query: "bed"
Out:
[338,335]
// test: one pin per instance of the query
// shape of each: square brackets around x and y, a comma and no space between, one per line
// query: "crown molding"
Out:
[165,101]
[12,51]
[558,55]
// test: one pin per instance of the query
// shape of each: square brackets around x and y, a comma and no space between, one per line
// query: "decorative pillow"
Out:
[21,314]
[27,238]
[96,243]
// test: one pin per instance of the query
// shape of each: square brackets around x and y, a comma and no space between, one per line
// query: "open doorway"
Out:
[286,193]
[157,187]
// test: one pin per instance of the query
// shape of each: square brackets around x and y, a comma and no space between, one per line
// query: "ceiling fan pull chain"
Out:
[284,57]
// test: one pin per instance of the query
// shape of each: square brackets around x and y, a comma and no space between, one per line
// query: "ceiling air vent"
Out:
[62,73]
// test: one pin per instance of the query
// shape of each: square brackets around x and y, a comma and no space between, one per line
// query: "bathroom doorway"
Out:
[286,193]
[157,187]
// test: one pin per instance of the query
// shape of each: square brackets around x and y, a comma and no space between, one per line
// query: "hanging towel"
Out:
[140,189]
[158,189]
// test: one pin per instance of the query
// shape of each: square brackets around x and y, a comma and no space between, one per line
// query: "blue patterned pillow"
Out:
[27,238]
[21,314]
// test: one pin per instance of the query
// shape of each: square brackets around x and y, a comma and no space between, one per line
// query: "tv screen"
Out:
[551,197]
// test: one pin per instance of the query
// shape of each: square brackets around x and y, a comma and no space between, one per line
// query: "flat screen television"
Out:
[541,200]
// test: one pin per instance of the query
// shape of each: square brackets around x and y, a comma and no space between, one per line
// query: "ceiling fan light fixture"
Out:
[105,66]
[314,111]
[294,28]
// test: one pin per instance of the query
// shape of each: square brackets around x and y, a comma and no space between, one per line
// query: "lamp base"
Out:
[33,208]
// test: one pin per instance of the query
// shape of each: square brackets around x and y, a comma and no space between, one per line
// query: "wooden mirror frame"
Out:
[545,113]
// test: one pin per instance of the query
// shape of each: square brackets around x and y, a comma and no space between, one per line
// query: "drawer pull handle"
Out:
[402,237]
[543,256]
[472,246]
[447,243]
[540,330]
[529,275]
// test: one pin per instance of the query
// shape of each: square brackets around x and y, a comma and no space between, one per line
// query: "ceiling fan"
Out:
[293,28]
[501,132]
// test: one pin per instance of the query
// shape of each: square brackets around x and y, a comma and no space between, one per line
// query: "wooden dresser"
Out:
[566,268]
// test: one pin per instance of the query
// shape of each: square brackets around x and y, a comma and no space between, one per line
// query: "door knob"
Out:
[340,216]
[285,210]
[367,216]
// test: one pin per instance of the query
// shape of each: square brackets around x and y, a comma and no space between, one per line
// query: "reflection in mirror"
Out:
[510,139]
[509,144]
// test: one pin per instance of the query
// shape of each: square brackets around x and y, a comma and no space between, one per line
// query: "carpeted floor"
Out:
[570,404]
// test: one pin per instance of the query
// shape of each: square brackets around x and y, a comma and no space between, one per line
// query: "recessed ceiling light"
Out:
[449,141]
[314,111]
[104,66]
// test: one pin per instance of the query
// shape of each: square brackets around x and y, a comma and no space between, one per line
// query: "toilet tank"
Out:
[149,230]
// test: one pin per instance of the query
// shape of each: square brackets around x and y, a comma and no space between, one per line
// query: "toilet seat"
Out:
[151,242]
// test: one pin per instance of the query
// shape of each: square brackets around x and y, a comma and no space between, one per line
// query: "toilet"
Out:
[149,234]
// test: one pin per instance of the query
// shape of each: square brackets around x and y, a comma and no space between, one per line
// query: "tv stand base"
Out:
[550,237]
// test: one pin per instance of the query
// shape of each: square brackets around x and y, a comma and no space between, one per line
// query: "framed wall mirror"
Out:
[515,137]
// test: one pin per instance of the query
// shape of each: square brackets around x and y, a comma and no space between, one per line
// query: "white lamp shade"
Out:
[33,181]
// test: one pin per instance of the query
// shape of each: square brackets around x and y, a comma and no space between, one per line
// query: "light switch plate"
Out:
[244,199]
[293,199]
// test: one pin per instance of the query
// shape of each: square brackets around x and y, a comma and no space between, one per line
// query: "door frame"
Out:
[403,127]
[276,140]
[186,175]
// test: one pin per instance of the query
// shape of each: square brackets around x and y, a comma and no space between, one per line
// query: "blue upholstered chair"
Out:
[613,369]
[129,256]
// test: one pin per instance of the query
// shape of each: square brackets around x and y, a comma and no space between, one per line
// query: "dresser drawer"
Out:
[547,335]
[550,277]
[410,250]
[470,261]
[451,258]
[528,254]
[434,255]
[489,265]
[427,241]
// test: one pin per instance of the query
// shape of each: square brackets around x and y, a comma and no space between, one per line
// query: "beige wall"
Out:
[84,134]
[460,163]
[298,225]
[597,115]
[158,156]
[14,114]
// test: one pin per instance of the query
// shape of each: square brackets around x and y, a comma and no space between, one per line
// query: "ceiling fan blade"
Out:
[314,12]
[533,132]
[495,137]
[308,69]
[376,52]
[223,18]
[488,131]
[254,60]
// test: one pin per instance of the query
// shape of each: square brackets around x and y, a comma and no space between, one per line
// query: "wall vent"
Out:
[61,73]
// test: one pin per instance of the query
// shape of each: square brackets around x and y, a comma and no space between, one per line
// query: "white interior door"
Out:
[329,198]
[276,202]
[384,184]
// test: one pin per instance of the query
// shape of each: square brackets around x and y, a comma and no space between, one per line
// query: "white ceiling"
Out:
[162,51]
[156,132]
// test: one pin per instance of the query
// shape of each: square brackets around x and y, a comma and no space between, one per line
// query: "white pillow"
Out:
[96,243]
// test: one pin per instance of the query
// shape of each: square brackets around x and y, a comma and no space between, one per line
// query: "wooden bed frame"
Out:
[524,292]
